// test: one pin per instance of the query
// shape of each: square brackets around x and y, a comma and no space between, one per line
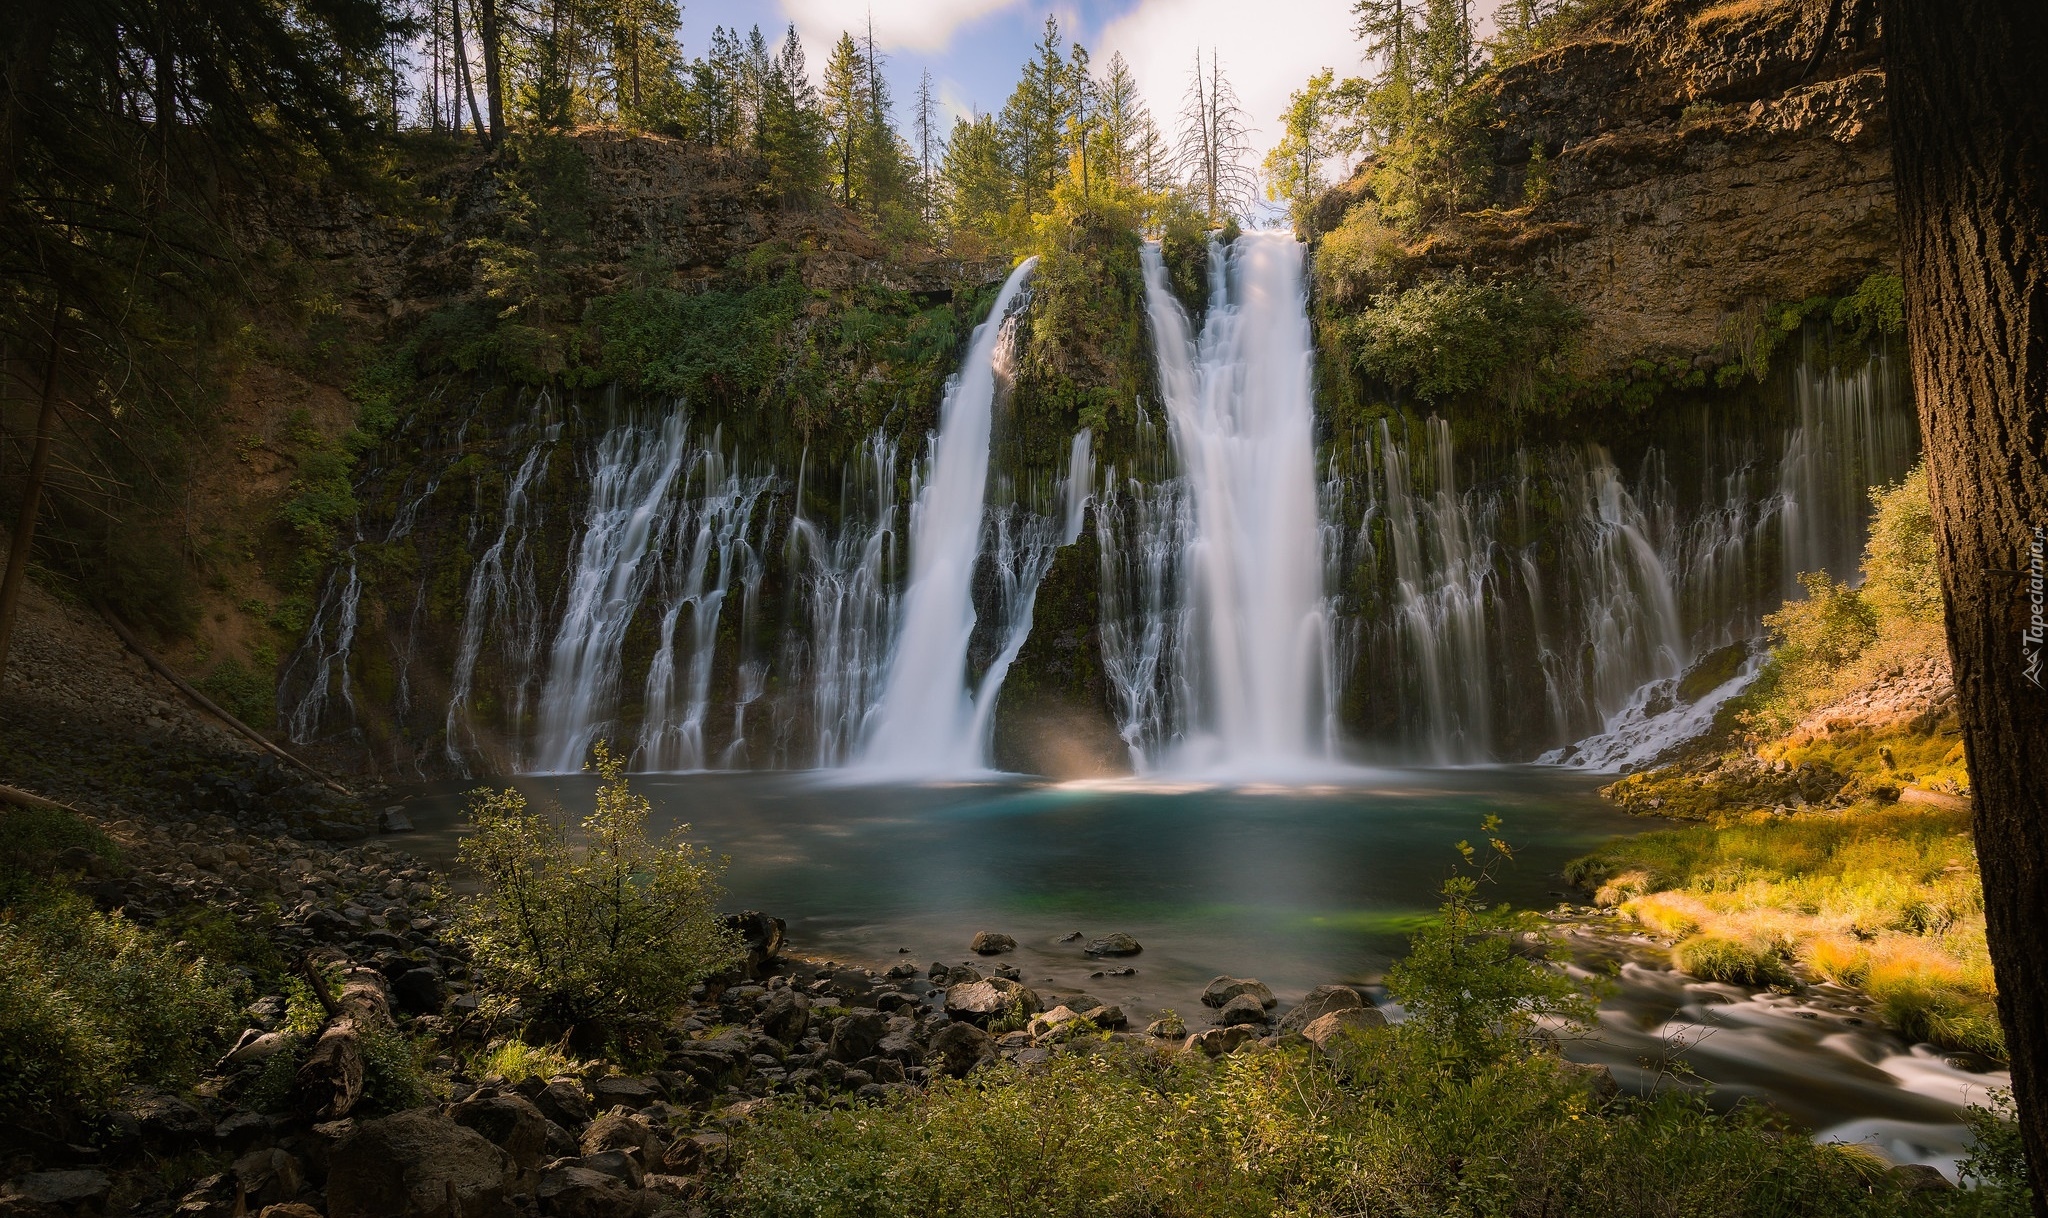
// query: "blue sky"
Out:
[973,47]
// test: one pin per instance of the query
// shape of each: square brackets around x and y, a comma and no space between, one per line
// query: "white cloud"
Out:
[900,25]
[1267,49]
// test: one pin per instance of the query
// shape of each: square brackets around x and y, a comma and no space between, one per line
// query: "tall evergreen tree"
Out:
[1034,120]
[844,108]
[791,140]
[929,144]
[1123,123]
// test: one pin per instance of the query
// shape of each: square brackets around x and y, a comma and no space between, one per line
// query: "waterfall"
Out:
[501,590]
[630,476]
[701,553]
[925,723]
[846,601]
[1239,404]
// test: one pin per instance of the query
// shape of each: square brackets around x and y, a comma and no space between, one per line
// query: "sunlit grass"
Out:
[1882,899]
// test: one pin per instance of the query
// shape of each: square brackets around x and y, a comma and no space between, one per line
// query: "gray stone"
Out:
[621,1131]
[569,1191]
[981,1001]
[1322,1028]
[1320,1002]
[990,943]
[1223,989]
[565,1104]
[1242,1009]
[855,1036]
[786,1015]
[1217,1041]
[267,1177]
[1116,944]
[615,1089]
[513,1125]
[958,1048]
[417,1164]
[64,1189]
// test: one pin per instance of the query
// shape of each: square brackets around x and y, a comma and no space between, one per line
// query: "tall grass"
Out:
[1883,899]
[1386,1131]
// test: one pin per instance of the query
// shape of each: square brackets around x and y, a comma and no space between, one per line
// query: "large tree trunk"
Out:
[1969,115]
[330,1081]
[494,74]
[31,498]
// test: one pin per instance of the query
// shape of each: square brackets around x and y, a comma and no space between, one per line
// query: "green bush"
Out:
[1385,1131]
[30,841]
[1876,308]
[1456,337]
[248,694]
[91,1003]
[1901,577]
[597,931]
[1471,987]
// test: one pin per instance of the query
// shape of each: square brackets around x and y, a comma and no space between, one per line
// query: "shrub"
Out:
[1877,307]
[1901,577]
[595,930]
[30,841]
[1735,961]
[91,1003]
[1455,337]
[1467,983]
[1386,1130]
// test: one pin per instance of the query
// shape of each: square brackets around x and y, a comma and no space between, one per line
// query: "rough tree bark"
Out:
[486,12]
[1969,118]
[24,537]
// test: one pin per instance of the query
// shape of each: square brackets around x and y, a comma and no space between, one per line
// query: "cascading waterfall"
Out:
[630,475]
[847,605]
[1241,413]
[501,591]
[703,551]
[925,722]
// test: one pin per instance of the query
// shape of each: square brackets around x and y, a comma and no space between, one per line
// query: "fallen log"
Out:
[23,799]
[330,1081]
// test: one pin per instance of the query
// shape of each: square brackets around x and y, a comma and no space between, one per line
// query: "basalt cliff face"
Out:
[1704,159]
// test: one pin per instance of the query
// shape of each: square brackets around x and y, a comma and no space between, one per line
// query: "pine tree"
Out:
[791,140]
[883,167]
[844,107]
[1034,120]
[1123,124]
[980,181]
[1083,114]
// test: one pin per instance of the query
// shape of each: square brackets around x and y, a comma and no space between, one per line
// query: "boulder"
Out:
[855,1036]
[1223,989]
[1320,1029]
[1242,1009]
[621,1165]
[1596,1078]
[615,1089]
[513,1125]
[981,1001]
[254,1046]
[690,1155]
[1167,1027]
[989,943]
[420,991]
[291,1209]
[786,1015]
[417,1164]
[958,1048]
[166,1120]
[564,1103]
[267,1177]
[760,935]
[568,1191]
[1116,944]
[621,1131]
[1217,1041]
[1320,1002]
[84,1188]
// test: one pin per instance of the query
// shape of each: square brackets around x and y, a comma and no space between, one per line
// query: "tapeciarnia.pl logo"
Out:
[2037,595]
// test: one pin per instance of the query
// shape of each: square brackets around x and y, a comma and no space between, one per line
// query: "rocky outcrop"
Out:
[1702,164]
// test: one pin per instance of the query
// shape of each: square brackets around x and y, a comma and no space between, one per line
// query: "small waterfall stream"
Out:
[925,723]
